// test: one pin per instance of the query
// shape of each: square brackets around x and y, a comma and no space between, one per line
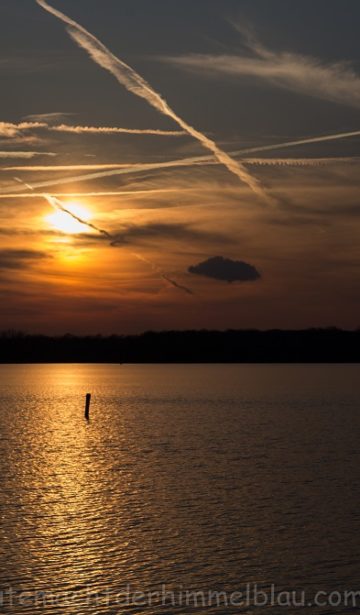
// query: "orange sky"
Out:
[299,231]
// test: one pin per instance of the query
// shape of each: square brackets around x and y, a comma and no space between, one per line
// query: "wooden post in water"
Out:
[87,406]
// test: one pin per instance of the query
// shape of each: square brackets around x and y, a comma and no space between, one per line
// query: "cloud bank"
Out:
[18,259]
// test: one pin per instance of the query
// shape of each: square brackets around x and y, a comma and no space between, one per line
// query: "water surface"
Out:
[202,478]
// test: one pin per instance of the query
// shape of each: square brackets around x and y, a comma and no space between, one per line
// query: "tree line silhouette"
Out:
[329,345]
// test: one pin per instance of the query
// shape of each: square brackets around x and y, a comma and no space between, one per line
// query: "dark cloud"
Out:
[220,268]
[13,232]
[18,259]
[134,232]
[317,216]
[139,233]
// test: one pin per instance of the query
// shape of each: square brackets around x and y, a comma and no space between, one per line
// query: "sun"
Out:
[64,222]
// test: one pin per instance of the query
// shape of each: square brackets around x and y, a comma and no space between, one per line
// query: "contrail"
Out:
[57,204]
[134,83]
[163,275]
[177,285]
[20,181]
[308,141]
[66,167]
[114,239]
[9,129]
[74,195]
[109,130]
[182,162]
[300,162]
[25,155]
[136,168]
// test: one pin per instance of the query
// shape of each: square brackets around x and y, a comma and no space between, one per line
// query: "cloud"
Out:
[22,141]
[220,268]
[48,118]
[137,233]
[336,82]
[10,130]
[18,259]
[134,83]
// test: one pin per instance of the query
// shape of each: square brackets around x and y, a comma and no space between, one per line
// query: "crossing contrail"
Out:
[306,141]
[58,205]
[164,276]
[136,84]
[123,169]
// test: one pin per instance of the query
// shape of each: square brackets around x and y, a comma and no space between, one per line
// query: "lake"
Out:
[192,489]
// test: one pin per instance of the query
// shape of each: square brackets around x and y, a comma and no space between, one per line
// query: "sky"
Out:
[179,165]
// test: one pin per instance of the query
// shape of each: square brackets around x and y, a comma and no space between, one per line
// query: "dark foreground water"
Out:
[187,479]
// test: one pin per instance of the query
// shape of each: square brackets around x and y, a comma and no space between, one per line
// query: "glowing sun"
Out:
[64,222]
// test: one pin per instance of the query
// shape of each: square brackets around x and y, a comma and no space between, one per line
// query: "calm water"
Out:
[202,478]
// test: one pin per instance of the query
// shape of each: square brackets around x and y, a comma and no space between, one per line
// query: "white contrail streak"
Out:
[74,195]
[122,171]
[111,130]
[300,162]
[128,168]
[10,130]
[308,141]
[182,162]
[66,167]
[25,155]
[134,83]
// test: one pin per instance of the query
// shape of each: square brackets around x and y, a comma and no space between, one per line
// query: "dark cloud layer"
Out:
[18,259]
[161,231]
[220,268]
[140,233]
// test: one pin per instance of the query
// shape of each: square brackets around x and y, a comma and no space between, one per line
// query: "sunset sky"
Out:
[125,167]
